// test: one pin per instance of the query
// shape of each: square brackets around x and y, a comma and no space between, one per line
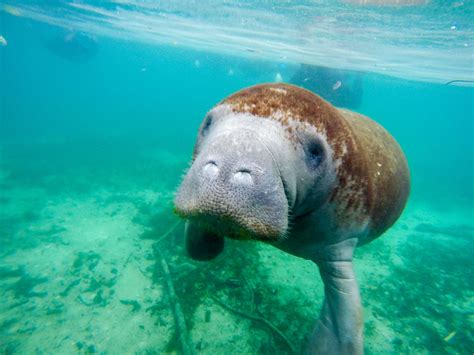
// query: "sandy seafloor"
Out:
[81,268]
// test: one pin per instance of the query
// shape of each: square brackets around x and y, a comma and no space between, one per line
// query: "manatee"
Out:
[74,46]
[279,164]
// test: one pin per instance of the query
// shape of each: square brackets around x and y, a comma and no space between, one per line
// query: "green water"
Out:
[92,150]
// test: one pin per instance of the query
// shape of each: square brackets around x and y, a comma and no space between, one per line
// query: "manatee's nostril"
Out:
[210,170]
[243,177]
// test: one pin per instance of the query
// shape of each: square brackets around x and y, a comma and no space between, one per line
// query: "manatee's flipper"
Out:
[339,328]
[201,245]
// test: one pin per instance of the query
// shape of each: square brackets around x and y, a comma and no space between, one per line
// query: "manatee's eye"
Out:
[314,152]
[206,124]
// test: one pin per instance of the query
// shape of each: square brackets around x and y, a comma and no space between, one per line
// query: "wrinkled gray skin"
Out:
[246,177]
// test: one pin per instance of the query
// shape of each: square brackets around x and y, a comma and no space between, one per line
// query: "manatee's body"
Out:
[274,156]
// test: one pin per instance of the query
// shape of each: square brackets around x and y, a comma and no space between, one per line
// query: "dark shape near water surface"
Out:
[74,46]
[339,87]
[471,82]
[276,153]
[397,3]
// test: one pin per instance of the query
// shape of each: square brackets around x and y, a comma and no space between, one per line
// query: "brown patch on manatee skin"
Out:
[372,174]
[285,103]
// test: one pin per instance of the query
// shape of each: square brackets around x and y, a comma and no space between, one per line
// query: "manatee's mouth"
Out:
[231,227]
[263,217]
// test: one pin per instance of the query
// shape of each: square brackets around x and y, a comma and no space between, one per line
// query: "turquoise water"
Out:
[96,135]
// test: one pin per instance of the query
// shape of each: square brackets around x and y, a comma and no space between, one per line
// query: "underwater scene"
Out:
[101,105]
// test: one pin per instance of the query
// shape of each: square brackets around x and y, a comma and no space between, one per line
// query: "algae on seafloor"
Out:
[198,284]
[22,284]
[134,303]
[95,287]
[413,298]
[87,259]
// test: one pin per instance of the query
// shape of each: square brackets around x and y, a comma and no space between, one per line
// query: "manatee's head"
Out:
[255,167]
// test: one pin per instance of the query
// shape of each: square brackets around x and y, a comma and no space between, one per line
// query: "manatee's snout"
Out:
[234,189]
